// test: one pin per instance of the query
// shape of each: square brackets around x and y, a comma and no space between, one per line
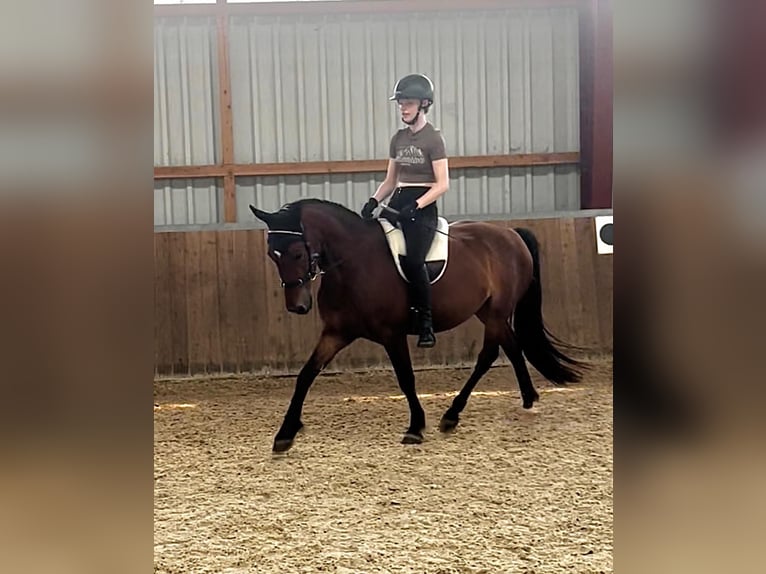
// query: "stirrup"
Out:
[426,339]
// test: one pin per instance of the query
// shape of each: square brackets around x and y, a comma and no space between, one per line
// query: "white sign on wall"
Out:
[605,233]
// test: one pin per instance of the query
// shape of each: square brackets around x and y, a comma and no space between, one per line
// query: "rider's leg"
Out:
[418,236]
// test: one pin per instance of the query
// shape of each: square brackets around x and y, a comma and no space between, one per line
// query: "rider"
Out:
[418,174]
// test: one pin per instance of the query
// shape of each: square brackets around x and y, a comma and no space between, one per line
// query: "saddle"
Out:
[436,258]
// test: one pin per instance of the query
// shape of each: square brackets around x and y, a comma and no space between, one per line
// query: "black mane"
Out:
[289,215]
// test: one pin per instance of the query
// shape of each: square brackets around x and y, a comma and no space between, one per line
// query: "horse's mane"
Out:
[290,213]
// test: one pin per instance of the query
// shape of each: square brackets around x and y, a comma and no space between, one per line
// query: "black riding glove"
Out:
[369,207]
[408,212]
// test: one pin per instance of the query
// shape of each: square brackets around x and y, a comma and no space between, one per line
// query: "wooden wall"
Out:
[219,307]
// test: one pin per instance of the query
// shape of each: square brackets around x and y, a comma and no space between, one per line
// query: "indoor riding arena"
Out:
[265,104]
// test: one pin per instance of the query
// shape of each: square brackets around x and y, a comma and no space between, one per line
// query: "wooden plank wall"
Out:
[219,306]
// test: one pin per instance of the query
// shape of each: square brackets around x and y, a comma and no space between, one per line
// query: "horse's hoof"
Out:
[530,401]
[282,445]
[447,425]
[412,438]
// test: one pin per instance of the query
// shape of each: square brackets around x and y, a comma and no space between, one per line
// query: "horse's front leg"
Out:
[328,346]
[399,354]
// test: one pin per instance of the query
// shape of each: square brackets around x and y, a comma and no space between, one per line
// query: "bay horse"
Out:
[492,272]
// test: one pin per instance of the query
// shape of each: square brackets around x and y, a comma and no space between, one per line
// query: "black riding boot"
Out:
[421,291]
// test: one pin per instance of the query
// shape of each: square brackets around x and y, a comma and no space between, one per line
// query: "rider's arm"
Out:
[437,152]
[389,184]
[441,185]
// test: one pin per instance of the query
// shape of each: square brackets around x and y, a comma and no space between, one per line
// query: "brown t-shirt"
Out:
[414,152]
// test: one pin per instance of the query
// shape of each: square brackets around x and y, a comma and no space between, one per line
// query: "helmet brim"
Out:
[403,97]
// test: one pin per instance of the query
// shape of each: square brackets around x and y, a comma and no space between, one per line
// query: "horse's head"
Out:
[290,249]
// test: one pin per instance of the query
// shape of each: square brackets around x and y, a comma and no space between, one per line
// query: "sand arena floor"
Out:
[509,491]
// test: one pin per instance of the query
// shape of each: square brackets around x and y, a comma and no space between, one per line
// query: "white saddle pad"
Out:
[436,254]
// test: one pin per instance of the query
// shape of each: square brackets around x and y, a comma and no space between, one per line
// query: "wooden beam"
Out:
[229,199]
[736,62]
[357,166]
[225,115]
[515,160]
[354,7]
[190,171]
[596,105]
[310,167]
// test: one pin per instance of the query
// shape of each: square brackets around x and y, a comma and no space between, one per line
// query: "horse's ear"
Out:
[260,214]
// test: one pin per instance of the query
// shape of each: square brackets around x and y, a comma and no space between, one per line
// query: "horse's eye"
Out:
[297,256]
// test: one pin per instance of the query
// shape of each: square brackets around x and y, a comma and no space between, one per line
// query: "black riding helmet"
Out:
[415,87]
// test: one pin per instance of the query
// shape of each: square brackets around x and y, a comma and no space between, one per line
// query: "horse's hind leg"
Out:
[487,356]
[512,348]
[399,354]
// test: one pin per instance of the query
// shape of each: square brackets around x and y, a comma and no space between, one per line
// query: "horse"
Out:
[492,273]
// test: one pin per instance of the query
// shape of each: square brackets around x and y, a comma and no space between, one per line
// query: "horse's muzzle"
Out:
[300,309]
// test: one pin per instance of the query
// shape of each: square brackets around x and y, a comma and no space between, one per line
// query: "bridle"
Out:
[313,270]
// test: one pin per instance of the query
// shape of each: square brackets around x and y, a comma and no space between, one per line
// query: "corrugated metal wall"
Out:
[187,201]
[309,88]
[313,88]
[185,117]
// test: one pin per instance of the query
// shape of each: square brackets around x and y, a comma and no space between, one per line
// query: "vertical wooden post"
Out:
[227,127]
[596,123]
[739,90]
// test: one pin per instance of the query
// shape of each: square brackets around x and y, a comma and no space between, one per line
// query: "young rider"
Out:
[418,174]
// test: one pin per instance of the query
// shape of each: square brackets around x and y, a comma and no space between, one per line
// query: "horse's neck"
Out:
[343,245]
[328,227]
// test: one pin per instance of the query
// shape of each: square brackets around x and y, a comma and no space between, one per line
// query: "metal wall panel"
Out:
[185,92]
[312,88]
[187,201]
[496,191]
[185,117]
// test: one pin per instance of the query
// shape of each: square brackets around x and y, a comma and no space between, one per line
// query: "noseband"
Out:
[312,272]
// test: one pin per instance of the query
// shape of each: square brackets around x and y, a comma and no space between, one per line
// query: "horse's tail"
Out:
[537,343]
